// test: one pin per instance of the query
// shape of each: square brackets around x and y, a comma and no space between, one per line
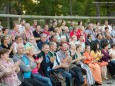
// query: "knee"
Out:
[69,76]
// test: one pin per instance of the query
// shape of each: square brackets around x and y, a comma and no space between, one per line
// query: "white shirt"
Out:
[55,62]
[21,28]
[81,43]
[111,51]
[110,28]
[15,47]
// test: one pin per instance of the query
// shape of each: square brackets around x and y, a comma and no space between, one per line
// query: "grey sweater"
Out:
[23,67]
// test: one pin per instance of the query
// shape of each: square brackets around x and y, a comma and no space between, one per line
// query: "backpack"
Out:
[58,78]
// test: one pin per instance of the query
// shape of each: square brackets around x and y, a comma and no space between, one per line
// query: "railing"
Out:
[56,17]
[88,18]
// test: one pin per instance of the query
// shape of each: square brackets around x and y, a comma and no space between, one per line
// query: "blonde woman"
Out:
[35,65]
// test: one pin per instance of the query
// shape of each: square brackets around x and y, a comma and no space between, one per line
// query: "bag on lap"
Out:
[58,78]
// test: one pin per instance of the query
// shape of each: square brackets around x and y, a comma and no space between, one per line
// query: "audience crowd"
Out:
[57,56]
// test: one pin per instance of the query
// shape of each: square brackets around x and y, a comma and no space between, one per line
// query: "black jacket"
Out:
[44,65]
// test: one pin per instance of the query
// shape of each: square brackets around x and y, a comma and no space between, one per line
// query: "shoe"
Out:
[109,82]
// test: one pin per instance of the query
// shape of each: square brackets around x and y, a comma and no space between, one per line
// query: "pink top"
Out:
[12,79]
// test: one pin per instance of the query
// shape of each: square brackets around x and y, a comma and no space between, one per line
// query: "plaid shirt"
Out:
[12,79]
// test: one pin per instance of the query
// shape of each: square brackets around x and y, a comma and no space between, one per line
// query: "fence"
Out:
[88,18]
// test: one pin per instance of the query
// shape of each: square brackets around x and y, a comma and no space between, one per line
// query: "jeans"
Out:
[66,75]
[31,82]
[77,74]
[43,79]
[111,66]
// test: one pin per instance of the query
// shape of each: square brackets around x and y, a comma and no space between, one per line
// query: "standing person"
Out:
[33,27]
[22,26]
[9,68]
[25,75]
[95,68]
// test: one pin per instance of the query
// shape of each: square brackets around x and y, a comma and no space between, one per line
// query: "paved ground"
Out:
[105,83]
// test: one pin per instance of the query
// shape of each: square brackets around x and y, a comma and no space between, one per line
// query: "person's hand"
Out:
[66,53]
[17,63]
[52,59]
[65,65]
[102,55]
[39,51]
[84,57]
[7,71]
[12,47]
[39,60]
[69,60]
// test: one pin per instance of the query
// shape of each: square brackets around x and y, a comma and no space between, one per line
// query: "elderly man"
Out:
[26,79]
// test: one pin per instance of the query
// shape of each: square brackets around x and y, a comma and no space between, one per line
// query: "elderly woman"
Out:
[9,69]
[32,43]
[35,65]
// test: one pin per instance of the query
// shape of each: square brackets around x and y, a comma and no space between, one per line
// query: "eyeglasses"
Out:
[20,39]
[31,39]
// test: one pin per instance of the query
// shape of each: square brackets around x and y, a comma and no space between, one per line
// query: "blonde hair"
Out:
[27,49]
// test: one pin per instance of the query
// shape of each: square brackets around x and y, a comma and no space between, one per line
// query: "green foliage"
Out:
[53,7]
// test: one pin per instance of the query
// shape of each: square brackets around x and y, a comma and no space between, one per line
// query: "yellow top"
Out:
[96,55]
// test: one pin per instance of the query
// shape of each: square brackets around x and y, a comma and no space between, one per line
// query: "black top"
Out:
[36,34]
[3,46]
[44,64]
[52,28]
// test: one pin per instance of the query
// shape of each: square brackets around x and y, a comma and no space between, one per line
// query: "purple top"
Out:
[106,56]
